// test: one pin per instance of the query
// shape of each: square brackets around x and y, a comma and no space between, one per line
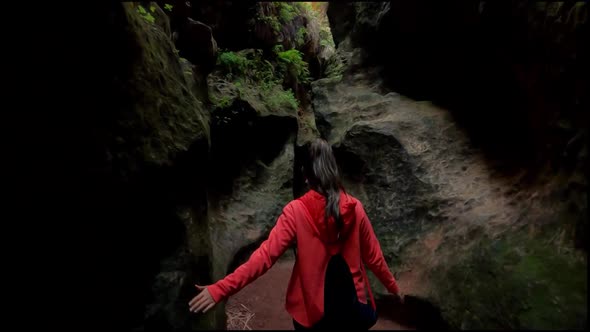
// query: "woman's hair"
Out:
[321,172]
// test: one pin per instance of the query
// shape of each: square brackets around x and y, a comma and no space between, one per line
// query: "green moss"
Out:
[557,290]
[163,102]
[515,282]
[145,14]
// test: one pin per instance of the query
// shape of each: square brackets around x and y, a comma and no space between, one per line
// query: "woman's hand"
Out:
[202,302]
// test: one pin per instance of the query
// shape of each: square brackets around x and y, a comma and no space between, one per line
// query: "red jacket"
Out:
[302,222]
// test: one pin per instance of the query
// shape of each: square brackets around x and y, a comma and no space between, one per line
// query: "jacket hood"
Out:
[328,232]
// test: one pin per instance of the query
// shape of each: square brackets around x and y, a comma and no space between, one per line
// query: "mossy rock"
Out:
[160,116]
[246,75]
[290,24]
[157,121]
[515,282]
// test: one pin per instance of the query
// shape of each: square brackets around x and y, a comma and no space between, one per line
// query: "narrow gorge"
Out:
[460,125]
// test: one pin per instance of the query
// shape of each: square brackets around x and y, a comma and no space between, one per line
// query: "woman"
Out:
[333,237]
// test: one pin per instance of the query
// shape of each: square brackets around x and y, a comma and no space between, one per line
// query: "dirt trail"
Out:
[261,305]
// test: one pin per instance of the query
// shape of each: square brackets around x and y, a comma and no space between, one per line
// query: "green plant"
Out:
[281,14]
[262,70]
[240,65]
[145,14]
[290,56]
[240,87]
[232,62]
[168,7]
[221,102]
[256,79]
[335,66]
[300,36]
[278,49]
[292,60]
[287,12]
[272,21]
[282,99]
[326,37]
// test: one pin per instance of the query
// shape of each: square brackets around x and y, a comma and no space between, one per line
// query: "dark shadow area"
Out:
[299,185]
[229,20]
[115,214]
[509,73]
[351,165]
[455,62]
[243,254]
[137,218]
[239,137]
[188,273]
[412,312]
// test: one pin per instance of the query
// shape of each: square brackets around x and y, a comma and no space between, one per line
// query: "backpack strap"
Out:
[368,286]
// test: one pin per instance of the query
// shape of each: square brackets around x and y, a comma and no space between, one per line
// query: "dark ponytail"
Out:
[321,172]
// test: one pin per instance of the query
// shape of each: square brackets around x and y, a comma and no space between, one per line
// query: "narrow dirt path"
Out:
[261,305]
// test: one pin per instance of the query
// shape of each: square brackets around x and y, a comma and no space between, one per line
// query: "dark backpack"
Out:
[339,292]
[341,305]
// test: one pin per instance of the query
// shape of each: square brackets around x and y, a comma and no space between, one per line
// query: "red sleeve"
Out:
[372,254]
[279,239]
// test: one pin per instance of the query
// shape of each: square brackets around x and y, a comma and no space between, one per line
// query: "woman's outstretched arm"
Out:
[372,254]
[261,260]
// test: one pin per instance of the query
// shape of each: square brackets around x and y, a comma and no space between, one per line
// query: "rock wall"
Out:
[510,67]
[455,216]
[126,139]
[255,123]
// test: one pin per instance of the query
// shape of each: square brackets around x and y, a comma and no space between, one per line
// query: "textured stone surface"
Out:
[433,198]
